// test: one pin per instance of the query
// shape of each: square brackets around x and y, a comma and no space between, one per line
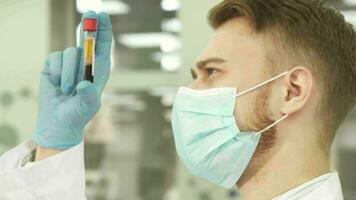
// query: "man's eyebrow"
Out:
[201,64]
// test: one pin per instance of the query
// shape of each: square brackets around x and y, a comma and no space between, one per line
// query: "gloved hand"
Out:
[66,102]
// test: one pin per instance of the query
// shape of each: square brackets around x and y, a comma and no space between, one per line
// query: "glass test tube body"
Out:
[89,55]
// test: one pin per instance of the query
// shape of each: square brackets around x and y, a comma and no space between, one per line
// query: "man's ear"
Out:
[298,84]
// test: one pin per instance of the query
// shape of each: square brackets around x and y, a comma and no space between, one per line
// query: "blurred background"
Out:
[130,153]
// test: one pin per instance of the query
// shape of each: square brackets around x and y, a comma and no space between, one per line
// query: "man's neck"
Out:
[284,168]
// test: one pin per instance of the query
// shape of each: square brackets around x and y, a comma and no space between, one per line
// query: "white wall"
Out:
[195,33]
[24,31]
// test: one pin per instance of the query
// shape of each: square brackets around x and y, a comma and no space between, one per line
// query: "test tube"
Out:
[89,29]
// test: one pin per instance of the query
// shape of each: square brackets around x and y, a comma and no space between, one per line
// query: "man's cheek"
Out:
[242,113]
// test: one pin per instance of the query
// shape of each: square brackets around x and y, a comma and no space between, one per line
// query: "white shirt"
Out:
[324,187]
[62,177]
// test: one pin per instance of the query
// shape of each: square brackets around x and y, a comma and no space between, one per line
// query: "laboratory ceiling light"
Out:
[170,5]
[166,41]
[171,25]
[112,7]
[169,62]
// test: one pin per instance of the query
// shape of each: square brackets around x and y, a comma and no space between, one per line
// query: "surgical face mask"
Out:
[207,136]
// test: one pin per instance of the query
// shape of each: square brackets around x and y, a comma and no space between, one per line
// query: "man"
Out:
[293,62]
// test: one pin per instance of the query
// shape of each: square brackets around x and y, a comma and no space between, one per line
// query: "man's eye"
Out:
[211,71]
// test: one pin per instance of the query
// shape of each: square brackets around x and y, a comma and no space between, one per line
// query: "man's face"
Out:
[235,57]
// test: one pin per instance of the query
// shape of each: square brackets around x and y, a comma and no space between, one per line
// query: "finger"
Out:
[47,86]
[89,98]
[70,65]
[102,51]
[55,67]
[104,35]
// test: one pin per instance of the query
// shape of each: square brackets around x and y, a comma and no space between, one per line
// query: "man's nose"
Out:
[197,85]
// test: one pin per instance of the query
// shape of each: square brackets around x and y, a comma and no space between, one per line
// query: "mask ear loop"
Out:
[273,124]
[261,84]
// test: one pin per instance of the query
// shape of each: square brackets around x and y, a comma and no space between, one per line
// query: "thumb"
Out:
[89,99]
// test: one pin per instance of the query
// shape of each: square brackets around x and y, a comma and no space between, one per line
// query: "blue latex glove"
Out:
[66,102]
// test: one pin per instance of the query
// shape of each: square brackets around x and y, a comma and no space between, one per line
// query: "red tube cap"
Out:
[89,24]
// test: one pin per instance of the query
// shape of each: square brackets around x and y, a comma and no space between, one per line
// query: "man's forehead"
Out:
[228,44]
[231,43]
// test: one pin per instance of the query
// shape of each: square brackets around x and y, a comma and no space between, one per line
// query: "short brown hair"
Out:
[311,34]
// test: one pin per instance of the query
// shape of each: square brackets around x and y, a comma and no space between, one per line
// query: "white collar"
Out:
[327,185]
